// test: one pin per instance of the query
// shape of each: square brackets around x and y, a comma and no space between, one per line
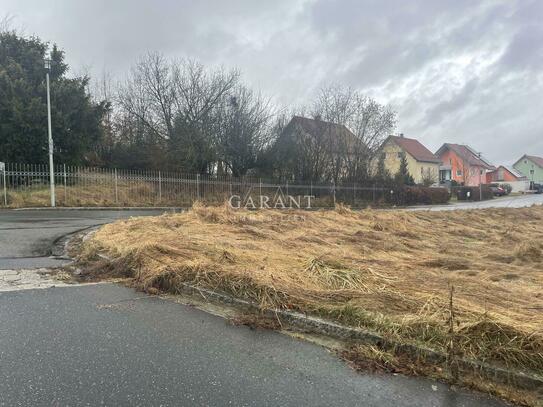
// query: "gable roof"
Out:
[536,160]
[467,154]
[511,170]
[415,149]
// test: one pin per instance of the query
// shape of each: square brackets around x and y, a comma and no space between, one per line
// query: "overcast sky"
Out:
[455,71]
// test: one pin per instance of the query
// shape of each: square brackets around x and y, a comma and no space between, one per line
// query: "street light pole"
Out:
[50,135]
[480,185]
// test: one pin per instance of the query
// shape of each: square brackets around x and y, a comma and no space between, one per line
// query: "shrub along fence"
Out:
[414,195]
[464,193]
[27,185]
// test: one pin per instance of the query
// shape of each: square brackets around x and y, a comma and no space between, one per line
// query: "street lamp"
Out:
[480,185]
[47,65]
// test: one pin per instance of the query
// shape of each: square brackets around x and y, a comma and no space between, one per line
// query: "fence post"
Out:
[287,186]
[260,187]
[334,191]
[116,189]
[4,183]
[159,187]
[65,191]
[198,187]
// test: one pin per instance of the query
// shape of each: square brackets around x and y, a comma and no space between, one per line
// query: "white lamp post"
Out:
[480,185]
[47,64]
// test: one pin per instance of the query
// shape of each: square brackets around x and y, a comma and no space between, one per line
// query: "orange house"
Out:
[462,164]
[504,174]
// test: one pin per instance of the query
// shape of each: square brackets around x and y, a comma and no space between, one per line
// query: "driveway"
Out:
[104,344]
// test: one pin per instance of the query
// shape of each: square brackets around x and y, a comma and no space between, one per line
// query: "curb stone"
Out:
[103,208]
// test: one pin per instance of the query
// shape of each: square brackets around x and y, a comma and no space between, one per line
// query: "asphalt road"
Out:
[107,345]
[27,236]
[517,201]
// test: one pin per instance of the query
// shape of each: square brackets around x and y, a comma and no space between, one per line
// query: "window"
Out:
[458,173]
[482,171]
[450,161]
[421,170]
[400,154]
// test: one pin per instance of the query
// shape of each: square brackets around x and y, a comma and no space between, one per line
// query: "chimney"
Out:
[401,135]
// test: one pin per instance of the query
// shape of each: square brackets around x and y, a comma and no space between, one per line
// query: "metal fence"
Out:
[27,185]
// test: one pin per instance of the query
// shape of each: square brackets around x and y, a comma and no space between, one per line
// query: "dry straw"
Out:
[383,270]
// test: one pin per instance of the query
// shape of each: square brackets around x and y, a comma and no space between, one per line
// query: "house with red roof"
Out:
[422,164]
[462,164]
[504,174]
[330,147]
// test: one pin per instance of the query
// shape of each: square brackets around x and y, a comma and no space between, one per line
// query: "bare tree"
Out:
[197,93]
[242,129]
[170,103]
[429,177]
[369,121]
[197,90]
[147,95]
[6,23]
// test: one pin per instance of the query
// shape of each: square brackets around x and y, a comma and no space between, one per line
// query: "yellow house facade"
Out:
[422,164]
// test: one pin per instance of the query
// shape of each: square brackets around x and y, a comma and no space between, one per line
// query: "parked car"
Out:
[497,190]
[538,188]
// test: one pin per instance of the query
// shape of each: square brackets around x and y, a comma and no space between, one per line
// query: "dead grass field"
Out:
[388,271]
[90,195]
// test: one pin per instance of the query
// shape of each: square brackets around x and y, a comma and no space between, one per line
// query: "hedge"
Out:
[417,195]
[473,193]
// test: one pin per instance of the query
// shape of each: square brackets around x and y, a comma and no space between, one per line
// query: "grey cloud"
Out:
[525,51]
[460,99]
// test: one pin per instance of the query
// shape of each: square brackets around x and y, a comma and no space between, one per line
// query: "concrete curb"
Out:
[320,326]
[102,208]
[59,249]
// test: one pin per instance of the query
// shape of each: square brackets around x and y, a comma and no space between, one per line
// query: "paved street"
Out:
[108,345]
[518,201]
[104,344]
[27,236]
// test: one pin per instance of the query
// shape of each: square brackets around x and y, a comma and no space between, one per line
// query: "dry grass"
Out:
[136,194]
[384,270]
